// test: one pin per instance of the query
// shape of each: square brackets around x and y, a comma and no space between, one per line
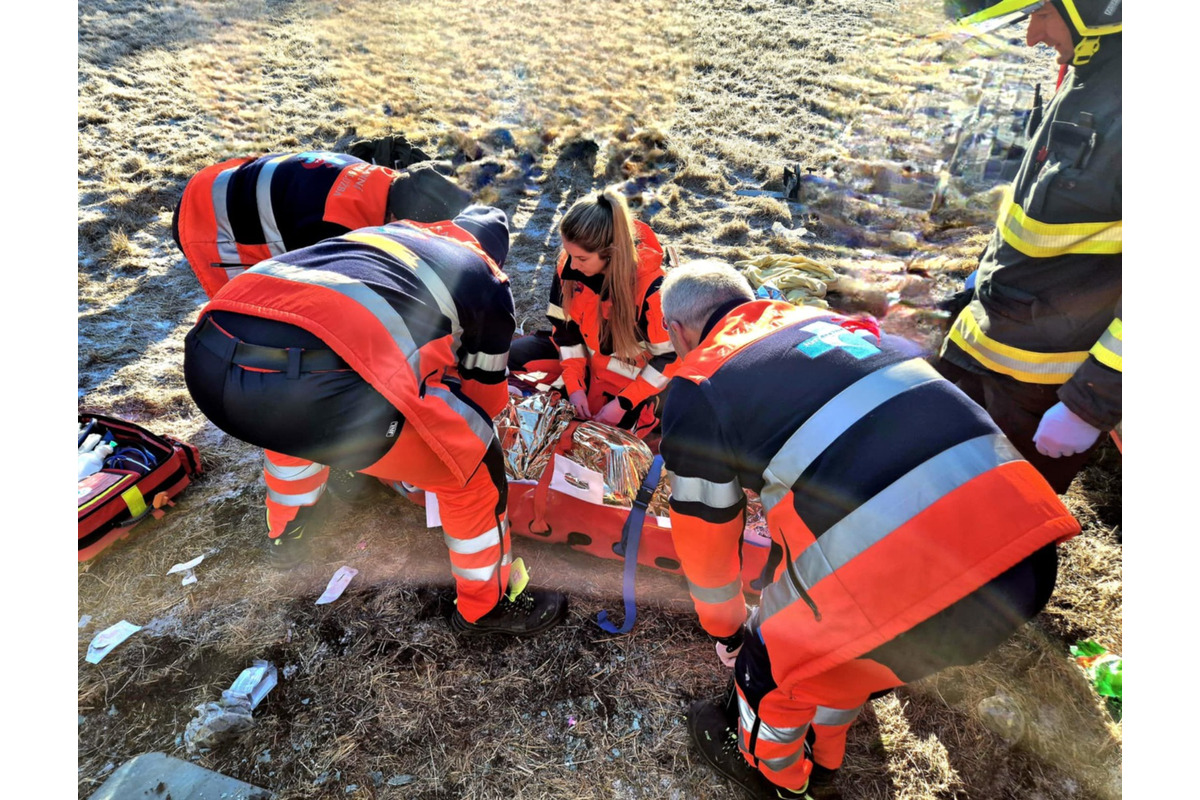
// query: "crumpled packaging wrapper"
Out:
[756,521]
[530,428]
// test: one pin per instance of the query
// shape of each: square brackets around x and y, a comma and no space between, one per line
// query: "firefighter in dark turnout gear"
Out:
[881,484]
[1039,345]
[234,214]
[383,352]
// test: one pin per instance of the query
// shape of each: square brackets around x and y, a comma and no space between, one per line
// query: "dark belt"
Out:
[279,359]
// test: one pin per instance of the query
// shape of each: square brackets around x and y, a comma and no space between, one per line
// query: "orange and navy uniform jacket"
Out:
[890,493]
[580,348]
[237,213]
[418,310]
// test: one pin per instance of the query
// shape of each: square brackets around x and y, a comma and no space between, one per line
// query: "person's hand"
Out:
[729,647]
[610,414]
[1062,433]
[578,399]
[728,657]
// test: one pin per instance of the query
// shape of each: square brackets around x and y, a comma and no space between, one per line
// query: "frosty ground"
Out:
[685,103]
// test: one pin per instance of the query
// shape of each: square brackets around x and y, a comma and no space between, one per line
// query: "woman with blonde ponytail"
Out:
[608,336]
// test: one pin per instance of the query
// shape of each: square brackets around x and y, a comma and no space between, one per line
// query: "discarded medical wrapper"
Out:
[188,569]
[337,585]
[103,642]
[231,715]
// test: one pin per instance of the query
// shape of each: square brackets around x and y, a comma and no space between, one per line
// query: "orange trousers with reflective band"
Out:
[827,703]
[473,515]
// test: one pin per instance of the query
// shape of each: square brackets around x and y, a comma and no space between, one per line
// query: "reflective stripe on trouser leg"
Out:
[830,726]
[771,737]
[476,533]
[292,483]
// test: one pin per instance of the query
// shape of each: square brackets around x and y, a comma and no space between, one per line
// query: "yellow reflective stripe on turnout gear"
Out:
[266,212]
[1082,27]
[1108,349]
[1043,239]
[1024,365]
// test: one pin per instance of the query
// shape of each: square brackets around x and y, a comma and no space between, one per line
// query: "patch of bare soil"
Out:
[696,108]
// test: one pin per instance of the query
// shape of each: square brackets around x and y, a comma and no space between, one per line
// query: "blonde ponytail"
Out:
[601,223]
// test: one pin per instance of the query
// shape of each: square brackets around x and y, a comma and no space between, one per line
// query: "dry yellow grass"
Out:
[687,102]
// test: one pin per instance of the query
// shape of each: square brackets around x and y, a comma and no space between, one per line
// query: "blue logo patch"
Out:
[827,336]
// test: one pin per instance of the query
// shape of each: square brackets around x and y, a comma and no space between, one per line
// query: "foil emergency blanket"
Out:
[530,428]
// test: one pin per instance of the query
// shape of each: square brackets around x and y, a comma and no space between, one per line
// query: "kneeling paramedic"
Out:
[908,534]
[239,212]
[382,352]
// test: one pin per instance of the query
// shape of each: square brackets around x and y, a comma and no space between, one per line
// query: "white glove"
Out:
[1062,433]
[728,657]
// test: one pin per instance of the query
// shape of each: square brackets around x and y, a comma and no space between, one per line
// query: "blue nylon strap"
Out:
[631,535]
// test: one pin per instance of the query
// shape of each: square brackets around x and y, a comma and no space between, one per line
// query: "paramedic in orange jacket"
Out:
[234,214]
[608,339]
[382,352]
[908,533]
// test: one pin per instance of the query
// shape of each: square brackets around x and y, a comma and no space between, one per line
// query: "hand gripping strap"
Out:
[630,536]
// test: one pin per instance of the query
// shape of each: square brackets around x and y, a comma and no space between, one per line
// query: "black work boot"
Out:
[355,488]
[715,736]
[292,546]
[534,611]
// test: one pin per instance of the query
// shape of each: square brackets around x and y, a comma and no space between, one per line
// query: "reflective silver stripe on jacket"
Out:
[302,499]
[266,212]
[233,272]
[490,362]
[573,351]
[226,244]
[622,368]
[653,377]
[291,473]
[835,716]
[356,291]
[659,349]
[482,428]
[425,273]
[718,595]
[711,494]
[555,312]
[871,522]
[768,733]
[835,418]
[480,573]
[477,544]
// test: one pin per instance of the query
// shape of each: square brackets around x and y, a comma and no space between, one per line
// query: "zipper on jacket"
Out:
[795,580]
